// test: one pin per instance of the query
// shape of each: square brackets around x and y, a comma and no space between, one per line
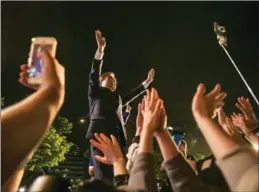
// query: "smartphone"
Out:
[35,62]
[178,137]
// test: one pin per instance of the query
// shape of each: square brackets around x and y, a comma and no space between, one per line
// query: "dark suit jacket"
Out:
[106,106]
[125,117]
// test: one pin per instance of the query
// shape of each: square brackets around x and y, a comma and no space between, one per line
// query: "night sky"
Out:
[175,38]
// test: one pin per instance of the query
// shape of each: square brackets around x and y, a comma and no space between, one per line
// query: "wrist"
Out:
[119,166]
[100,49]
[54,96]
[147,133]
[161,133]
[201,117]
[119,161]
[137,134]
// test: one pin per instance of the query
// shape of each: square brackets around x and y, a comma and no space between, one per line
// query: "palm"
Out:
[139,121]
[248,118]
[101,41]
[205,105]
[151,75]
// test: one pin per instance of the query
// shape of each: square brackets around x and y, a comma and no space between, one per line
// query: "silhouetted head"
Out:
[108,80]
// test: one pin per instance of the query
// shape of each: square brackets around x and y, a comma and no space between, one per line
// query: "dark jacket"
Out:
[180,174]
[106,106]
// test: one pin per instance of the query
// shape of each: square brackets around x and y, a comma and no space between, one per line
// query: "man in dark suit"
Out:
[105,106]
[126,115]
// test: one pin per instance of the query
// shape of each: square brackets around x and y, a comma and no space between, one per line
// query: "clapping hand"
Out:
[228,126]
[151,110]
[204,105]
[246,121]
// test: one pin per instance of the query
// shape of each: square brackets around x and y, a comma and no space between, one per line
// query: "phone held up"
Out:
[35,62]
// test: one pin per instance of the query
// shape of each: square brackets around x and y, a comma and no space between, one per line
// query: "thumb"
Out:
[48,60]
[220,114]
[200,90]
[100,159]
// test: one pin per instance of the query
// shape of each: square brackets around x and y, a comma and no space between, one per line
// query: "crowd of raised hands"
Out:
[235,156]
[229,138]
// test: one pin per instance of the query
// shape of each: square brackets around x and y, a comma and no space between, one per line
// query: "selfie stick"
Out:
[134,98]
[222,39]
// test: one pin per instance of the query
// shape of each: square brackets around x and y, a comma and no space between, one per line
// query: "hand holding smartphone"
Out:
[35,62]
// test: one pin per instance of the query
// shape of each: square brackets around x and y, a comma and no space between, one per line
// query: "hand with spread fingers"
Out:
[109,147]
[204,105]
[229,127]
[233,131]
[246,121]
[151,110]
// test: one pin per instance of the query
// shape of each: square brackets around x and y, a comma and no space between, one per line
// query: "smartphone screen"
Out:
[177,139]
[36,68]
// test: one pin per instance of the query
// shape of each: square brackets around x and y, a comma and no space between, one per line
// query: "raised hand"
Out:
[249,121]
[53,76]
[151,75]
[151,111]
[229,127]
[222,118]
[109,147]
[233,131]
[205,105]
[163,120]
[139,119]
[101,41]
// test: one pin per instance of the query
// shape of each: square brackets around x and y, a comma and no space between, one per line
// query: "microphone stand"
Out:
[134,98]
[222,40]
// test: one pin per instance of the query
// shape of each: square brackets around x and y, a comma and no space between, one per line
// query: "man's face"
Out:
[109,81]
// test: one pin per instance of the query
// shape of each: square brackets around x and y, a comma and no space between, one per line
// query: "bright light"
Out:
[82,120]
[22,189]
[256,147]
[170,128]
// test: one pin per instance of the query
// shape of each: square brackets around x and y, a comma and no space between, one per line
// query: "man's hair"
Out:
[102,76]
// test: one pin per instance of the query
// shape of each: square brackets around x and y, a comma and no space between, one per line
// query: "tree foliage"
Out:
[63,126]
[199,156]
[2,101]
[54,147]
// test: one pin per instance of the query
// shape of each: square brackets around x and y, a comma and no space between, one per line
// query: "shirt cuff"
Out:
[119,180]
[98,55]
[145,84]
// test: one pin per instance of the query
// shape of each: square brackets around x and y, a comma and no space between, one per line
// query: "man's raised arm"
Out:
[96,69]
[140,88]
